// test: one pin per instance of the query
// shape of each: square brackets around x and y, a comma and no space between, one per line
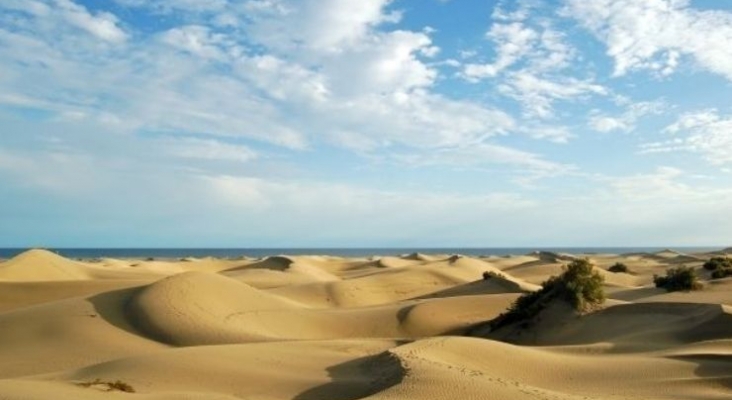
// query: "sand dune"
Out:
[204,308]
[280,271]
[322,327]
[42,265]
[374,286]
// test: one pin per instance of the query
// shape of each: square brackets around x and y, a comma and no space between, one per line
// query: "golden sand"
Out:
[319,327]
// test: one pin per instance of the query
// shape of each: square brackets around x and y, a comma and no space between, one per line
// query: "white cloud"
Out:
[531,64]
[704,132]
[513,42]
[556,134]
[654,35]
[102,25]
[358,87]
[625,122]
[525,167]
[208,149]
[420,120]
[195,39]
[168,6]
[385,63]
[603,123]
[316,25]
[662,183]
[28,6]
[538,94]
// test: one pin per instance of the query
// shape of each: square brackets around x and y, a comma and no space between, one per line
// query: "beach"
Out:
[412,326]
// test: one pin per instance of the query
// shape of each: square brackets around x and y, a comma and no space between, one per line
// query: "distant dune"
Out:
[323,327]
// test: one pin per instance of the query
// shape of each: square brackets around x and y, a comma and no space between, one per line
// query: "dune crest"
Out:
[42,265]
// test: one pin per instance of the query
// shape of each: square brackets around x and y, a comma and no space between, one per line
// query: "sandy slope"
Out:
[321,327]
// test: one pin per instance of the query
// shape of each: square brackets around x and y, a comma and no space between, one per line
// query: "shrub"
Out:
[619,267]
[681,278]
[490,274]
[579,285]
[721,273]
[721,267]
[718,263]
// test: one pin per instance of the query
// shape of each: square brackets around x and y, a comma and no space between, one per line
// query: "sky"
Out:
[365,123]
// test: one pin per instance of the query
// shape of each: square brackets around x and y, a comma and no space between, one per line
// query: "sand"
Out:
[322,327]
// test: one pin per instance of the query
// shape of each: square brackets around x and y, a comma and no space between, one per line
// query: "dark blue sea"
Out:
[89,253]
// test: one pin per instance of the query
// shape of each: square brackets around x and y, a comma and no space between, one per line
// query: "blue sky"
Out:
[365,123]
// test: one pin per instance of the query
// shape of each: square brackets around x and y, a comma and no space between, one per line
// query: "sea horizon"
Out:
[258,252]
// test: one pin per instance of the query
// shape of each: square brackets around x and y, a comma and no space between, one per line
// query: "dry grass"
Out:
[109,386]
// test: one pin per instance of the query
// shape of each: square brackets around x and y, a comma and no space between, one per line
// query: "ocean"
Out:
[90,253]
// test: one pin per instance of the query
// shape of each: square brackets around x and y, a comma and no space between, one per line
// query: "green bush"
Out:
[681,278]
[579,285]
[721,267]
[718,263]
[487,275]
[721,273]
[619,267]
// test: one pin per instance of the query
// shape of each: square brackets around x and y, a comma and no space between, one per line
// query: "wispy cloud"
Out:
[704,132]
[626,121]
[531,63]
[657,35]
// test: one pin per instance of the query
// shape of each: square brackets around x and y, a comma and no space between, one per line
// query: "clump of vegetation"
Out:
[678,279]
[490,274]
[720,273]
[579,285]
[717,263]
[109,386]
[721,267]
[619,267]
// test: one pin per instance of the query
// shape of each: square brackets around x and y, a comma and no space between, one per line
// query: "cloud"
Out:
[208,149]
[197,40]
[524,168]
[657,35]
[329,26]
[531,63]
[102,25]
[704,132]
[170,6]
[625,122]
[556,134]
[513,42]
[304,84]
[662,183]
[538,94]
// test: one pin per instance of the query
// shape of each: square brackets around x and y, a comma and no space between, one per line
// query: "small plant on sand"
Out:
[678,279]
[487,275]
[109,386]
[619,267]
[721,267]
[579,285]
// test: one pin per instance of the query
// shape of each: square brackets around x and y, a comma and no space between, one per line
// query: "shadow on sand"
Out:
[358,378]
